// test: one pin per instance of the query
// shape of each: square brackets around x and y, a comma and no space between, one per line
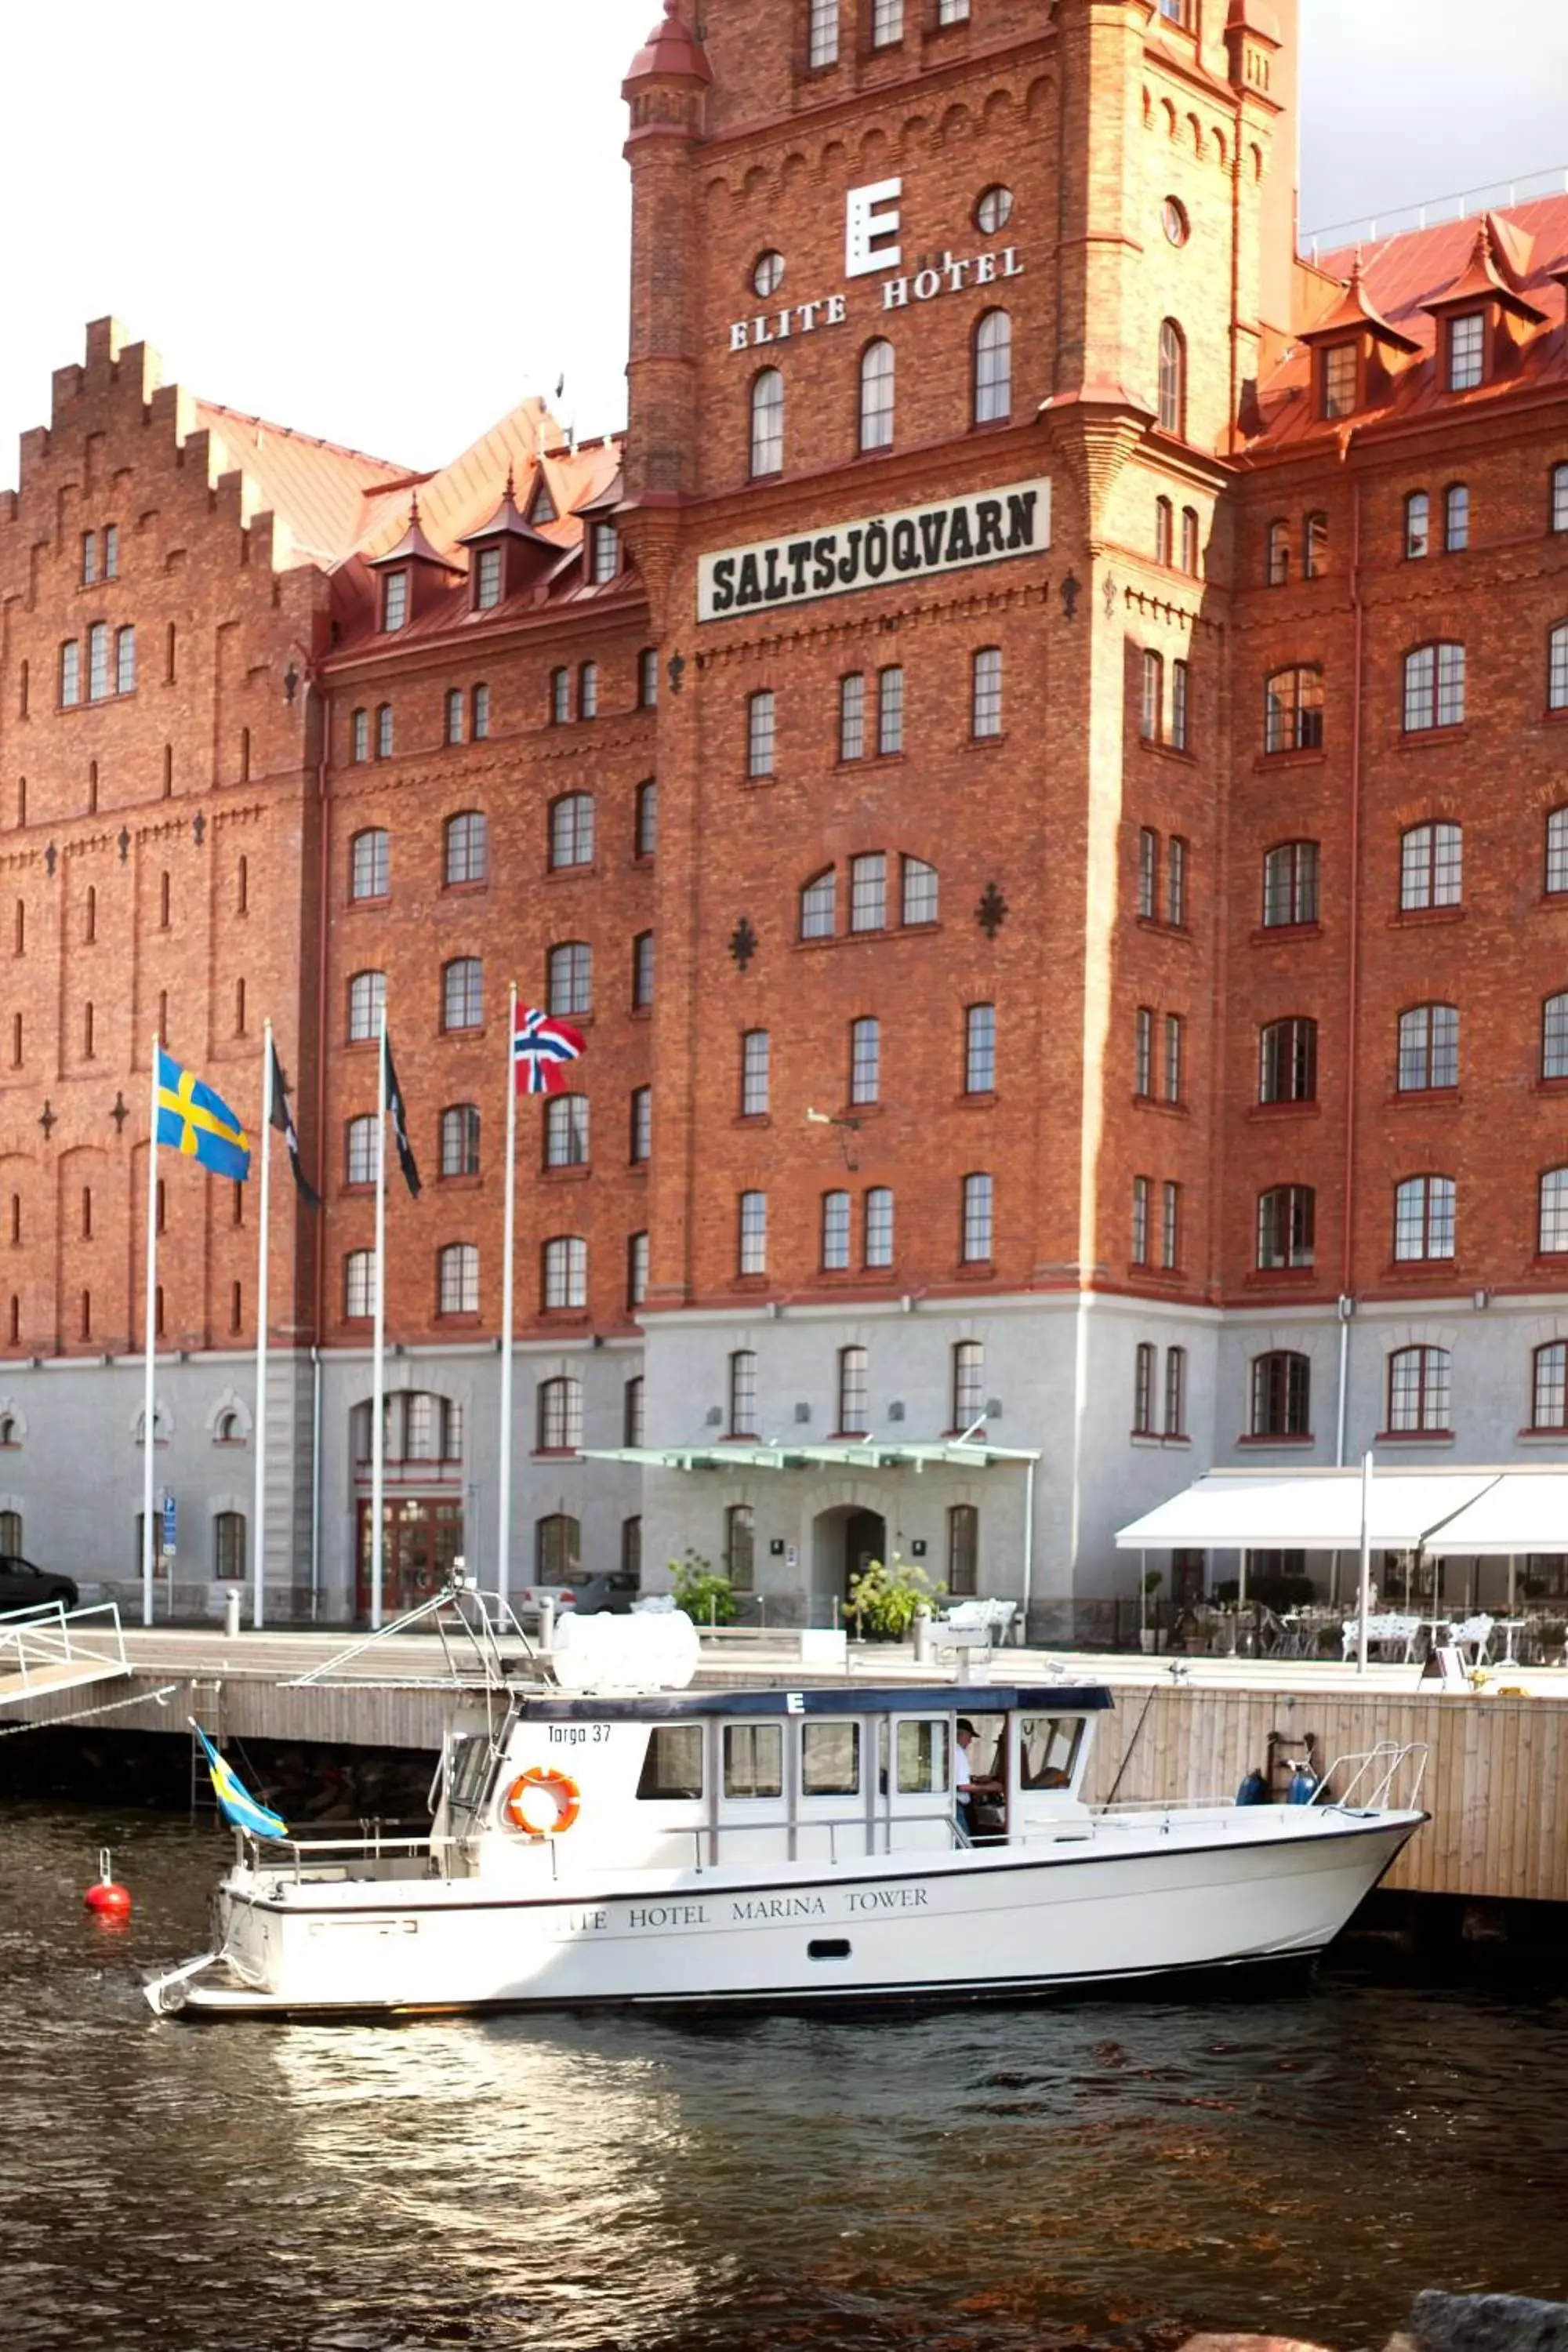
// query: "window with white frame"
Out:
[1559,509]
[1338,373]
[1170,1226]
[968,1384]
[1423,1218]
[1181,704]
[1176,884]
[919,891]
[823,36]
[1557,851]
[1433,687]
[394,600]
[890,711]
[359,736]
[360,1153]
[70,674]
[359,1285]
[98,661]
[1418,1391]
[1172,391]
[834,1231]
[877,395]
[457,1289]
[456,707]
[641,1123]
[559,1415]
[754,1058]
[865,1060]
[588,689]
[645,825]
[560,698]
[1557,668]
[767,423]
[463,993]
[570,982]
[383,732]
[1431,867]
[604,552]
[367,999]
[1456,519]
[852,716]
[752,1257]
[1549,1386]
[760,734]
[460,1140]
[985,692]
[1173,1056]
[1144,1389]
[564,1264]
[1417,526]
[980,1049]
[977,1230]
[1190,550]
[642,971]
[868,892]
[952,11]
[465,841]
[566,1130]
[1150,697]
[125,670]
[887,22]
[647,678]
[1140,1221]
[743,1394]
[1290,884]
[1143,1051]
[636,1269]
[879,1250]
[1287,1227]
[1553,1229]
[993,368]
[819,906]
[854,1392]
[1555,1037]
[487,579]
[1428,1047]
[1466,351]
[370,864]
[1165,531]
[572,830]
[1148,873]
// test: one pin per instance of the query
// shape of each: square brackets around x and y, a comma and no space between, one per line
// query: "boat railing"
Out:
[309,1857]
[1374,1775]
[38,1641]
[877,1834]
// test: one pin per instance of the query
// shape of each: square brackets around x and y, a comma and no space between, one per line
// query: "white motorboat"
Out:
[773,1847]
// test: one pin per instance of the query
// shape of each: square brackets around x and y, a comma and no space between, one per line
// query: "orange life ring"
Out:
[568,1800]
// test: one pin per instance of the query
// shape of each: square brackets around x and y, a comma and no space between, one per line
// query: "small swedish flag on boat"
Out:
[235,1800]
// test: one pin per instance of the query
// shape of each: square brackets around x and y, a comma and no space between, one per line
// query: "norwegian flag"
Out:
[541,1050]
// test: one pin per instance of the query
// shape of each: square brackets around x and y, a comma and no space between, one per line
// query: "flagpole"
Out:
[149,1400]
[377,1408]
[259,1512]
[508,1229]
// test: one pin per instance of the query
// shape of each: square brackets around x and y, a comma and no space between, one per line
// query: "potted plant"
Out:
[883,1599]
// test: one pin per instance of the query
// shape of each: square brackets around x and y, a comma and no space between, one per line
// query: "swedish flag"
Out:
[238,1805]
[198,1124]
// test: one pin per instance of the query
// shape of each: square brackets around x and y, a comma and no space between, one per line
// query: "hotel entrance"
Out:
[423,1535]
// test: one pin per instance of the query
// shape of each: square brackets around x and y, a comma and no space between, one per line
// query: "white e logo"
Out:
[871,218]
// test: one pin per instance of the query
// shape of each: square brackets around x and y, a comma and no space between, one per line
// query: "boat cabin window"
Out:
[923,1756]
[673,1764]
[753,1759]
[830,1760]
[1048,1749]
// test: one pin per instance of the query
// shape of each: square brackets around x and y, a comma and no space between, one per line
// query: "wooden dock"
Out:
[1495,1782]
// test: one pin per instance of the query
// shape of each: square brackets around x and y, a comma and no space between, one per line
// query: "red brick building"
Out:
[1034,767]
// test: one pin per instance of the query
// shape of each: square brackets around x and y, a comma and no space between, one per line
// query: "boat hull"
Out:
[1135,1902]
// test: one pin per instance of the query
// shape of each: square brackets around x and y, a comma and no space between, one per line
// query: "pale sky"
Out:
[386,223]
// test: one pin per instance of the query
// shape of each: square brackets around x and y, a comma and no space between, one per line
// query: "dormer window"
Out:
[487,579]
[604,552]
[394,600]
[1338,380]
[1466,351]
[542,506]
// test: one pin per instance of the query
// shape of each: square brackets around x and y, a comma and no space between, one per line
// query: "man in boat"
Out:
[967,1790]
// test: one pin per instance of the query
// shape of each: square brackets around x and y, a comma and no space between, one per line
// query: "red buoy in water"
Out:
[108,1899]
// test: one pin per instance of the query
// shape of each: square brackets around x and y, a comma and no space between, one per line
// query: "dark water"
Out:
[985,2183]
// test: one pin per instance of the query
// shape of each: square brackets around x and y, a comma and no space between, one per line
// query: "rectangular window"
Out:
[985,704]
[980,1049]
[952,11]
[752,1257]
[1144,1389]
[645,832]
[1339,379]
[1170,1225]
[566,1131]
[824,37]
[887,23]
[481,713]
[1140,1221]
[1148,873]
[1466,351]
[487,579]
[753,1759]
[880,1226]
[672,1768]
[977,1220]
[641,1125]
[395,601]
[829,1759]
[455,710]
[922,1756]
[642,971]
[920,893]
[112,551]
[1175,1392]
[636,1269]
[854,1392]
[743,1394]
[560,697]
[70,674]
[1143,1052]
[605,559]
[1456,519]
[1173,1057]
[89,558]
[865,1061]
[98,661]
[1180,704]
[371,865]
[1176,884]
[834,1231]
[1152,699]
[889,712]
[647,678]
[760,734]
[852,717]
[868,892]
[755,1074]
[1560,498]
[819,907]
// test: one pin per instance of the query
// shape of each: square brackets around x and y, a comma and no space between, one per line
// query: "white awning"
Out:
[1523,1511]
[849,1453]
[1314,1510]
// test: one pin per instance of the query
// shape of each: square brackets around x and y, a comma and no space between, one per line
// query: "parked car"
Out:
[615,1589]
[23,1586]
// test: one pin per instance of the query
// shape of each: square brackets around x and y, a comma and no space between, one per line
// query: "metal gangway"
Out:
[51,1648]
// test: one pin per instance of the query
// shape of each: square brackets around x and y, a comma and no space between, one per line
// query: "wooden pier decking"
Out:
[1495,1782]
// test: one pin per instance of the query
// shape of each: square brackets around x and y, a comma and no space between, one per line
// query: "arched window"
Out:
[751,1245]
[560,698]
[985,693]
[572,830]
[759,732]
[1151,697]
[879,1249]
[10,1437]
[11,1535]
[588,690]
[383,732]
[852,716]
[1315,546]
[359,736]
[1290,884]
[642,971]
[876,396]
[819,906]
[460,1140]
[1549,1387]
[463,993]
[968,1385]
[865,1060]
[1191,553]
[457,1279]
[1428,1048]
[1433,687]
[1456,519]
[1431,867]
[1165,526]
[980,1049]
[1417,526]
[1293,710]
[1557,668]
[1288,1061]
[740,1546]
[367,997]
[464,848]
[1423,1210]
[743,1394]
[834,1231]
[1555,1037]
[1143,1360]
[566,1131]
[754,1073]
[359,1141]
[1173,378]
[570,985]
[632,1417]
[557,1549]
[228,1544]
[1419,1383]
[993,368]
[854,1404]
[919,891]
[560,1416]
[564,1263]
[1277,555]
[1281,1395]
[767,421]
[1553,1234]
[962,1549]
[1175,1392]
[1287,1227]
[370,864]
[976,1228]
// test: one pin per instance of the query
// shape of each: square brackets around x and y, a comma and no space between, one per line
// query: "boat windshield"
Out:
[1048,1749]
